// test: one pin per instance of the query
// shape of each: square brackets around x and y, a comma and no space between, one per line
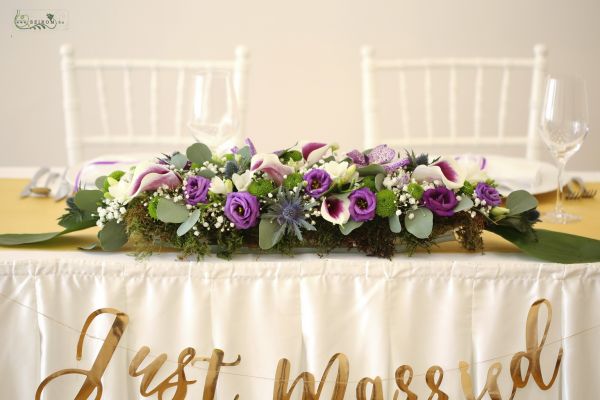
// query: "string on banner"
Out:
[427,374]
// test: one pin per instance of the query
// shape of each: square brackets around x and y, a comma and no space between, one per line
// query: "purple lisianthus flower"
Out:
[242,209]
[362,204]
[441,201]
[488,193]
[318,182]
[196,190]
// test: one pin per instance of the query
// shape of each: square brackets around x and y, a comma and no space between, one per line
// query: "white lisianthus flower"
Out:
[242,181]
[340,172]
[220,186]
[474,167]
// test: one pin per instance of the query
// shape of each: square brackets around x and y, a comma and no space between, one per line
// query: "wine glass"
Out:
[214,115]
[563,127]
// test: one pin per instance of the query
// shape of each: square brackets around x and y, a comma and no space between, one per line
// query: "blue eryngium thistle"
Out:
[288,209]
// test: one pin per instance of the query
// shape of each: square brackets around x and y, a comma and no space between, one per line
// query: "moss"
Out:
[386,203]
[261,187]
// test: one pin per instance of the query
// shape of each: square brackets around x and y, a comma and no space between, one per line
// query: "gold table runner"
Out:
[36,215]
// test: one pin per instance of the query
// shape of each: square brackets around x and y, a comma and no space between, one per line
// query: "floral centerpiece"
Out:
[312,196]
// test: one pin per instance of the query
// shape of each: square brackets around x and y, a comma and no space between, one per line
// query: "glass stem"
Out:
[561,162]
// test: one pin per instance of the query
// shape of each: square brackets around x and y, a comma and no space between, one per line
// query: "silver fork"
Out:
[585,193]
[571,192]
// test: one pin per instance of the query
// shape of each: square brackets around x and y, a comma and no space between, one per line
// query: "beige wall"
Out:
[304,80]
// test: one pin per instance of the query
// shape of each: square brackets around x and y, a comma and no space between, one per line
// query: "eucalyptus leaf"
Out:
[349,226]
[266,233]
[188,223]
[372,169]
[170,212]
[99,182]
[379,181]
[421,224]
[464,204]
[179,160]
[199,153]
[207,173]
[520,201]
[88,200]
[552,246]
[244,153]
[112,236]
[395,225]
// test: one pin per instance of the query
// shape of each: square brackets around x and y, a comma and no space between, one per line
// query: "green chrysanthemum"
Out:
[386,203]
[369,182]
[292,181]
[261,187]
[415,190]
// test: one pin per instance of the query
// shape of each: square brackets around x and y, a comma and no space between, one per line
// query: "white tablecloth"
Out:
[428,310]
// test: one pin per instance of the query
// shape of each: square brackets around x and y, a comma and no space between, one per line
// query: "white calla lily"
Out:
[336,209]
[446,170]
[271,165]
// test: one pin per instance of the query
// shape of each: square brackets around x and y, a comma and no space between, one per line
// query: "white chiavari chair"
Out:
[132,136]
[528,138]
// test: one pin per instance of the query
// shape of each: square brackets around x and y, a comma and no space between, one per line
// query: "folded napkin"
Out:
[514,173]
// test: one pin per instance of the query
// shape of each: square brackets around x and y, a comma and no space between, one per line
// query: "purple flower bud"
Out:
[362,204]
[441,201]
[196,190]
[488,193]
[318,182]
[242,209]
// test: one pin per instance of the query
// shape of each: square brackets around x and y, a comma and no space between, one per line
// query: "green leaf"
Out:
[179,160]
[349,227]
[112,236]
[198,153]
[15,239]
[520,201]
[266,233]
[74,217]
[422,223]
[189,223]
[464,204]
[244,153]
[88,200]
[170,212]
[552,246]
[379,181]
[207,173]
[372,169]
[394,221]
[99,182]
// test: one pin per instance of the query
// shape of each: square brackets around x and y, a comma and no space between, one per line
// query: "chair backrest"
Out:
[370,101]
[76,139]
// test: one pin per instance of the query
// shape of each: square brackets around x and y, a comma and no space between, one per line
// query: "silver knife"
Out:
[40,172]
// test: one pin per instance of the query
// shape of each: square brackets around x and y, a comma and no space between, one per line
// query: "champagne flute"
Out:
[563,127]
[214,115]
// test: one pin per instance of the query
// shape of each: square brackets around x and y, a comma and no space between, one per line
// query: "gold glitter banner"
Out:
[305,383]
